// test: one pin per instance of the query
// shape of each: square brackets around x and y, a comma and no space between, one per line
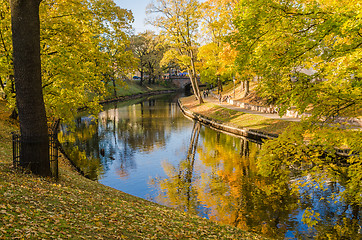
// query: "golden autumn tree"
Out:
[25,26]
[83,48]
[216,56]
[179,22]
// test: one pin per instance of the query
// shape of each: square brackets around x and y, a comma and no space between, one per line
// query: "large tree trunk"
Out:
[141,81]
[114,86]
[29,96]
[193,79]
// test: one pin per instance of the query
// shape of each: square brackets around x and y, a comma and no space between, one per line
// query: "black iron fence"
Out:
[53,148]
[16,149]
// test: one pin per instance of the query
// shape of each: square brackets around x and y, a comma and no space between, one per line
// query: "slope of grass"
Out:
[237,118]
[77,208]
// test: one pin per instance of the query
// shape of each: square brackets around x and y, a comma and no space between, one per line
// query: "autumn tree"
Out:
[83,51]
[178,21]
[210,65]
[307,55]
[217,57]
[217,63]
[148,48]
[82,47]
[157,48]
[139,48]
[29,97]
[7,84]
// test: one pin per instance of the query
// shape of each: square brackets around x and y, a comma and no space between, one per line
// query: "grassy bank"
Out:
[131,87]
[237,118]
[77,208]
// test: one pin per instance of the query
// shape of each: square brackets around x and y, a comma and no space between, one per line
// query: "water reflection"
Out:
[148,149]
[177,189]
[225,186]
[122,130]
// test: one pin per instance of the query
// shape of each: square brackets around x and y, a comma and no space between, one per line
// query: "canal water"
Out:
[147,148]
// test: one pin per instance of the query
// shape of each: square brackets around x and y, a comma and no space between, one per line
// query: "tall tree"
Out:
[178,21]
[138,46]
[29,97]
[216,24]
[307,54]
[210,64]
[83,46]
[148,48]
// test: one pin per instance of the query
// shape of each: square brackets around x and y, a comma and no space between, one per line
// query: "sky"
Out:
[138,8]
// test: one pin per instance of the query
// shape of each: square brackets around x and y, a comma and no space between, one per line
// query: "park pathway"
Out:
[236,108]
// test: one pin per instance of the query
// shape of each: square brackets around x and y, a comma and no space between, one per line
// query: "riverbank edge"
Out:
[222,126]
[251,134]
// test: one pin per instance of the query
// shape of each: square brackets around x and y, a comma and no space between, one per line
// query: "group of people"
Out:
[205,94]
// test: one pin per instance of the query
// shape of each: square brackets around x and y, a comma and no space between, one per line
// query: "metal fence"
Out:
[16,149]
[53,148]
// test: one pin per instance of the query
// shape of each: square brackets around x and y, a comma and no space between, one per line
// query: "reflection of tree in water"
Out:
[141,126]
[138,127]
[122,129]
[226,186]
[113,147]
[329,186]
[178,190]
[333,217]
[82,146]
[236,194]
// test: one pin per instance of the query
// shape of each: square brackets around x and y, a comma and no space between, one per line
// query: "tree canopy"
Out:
[306,53]
[149,49]
[83,45]
[178,21]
